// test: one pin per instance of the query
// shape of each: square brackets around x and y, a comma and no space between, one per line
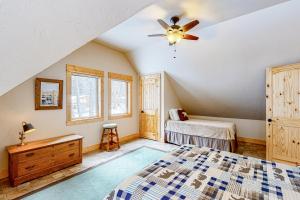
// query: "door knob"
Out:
[269,120]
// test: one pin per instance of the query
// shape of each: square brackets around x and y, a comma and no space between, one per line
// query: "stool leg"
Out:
[118,142]
[102,137]
[108,140]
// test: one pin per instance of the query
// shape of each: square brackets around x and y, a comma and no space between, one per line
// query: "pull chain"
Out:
[174,51]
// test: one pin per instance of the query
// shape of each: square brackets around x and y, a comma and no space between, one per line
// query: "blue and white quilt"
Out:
[192,173]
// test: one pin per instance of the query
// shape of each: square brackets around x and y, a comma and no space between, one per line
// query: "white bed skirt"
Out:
[181,139]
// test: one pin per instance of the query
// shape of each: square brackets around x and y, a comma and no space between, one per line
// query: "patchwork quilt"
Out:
[192,173]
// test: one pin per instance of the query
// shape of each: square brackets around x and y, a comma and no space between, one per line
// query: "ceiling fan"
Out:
[175,33]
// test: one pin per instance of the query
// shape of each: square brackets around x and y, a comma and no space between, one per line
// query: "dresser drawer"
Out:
[34,167]
[66,146]
[66,156]
[35,154]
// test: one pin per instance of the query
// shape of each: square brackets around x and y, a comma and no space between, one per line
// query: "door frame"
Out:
[141,102]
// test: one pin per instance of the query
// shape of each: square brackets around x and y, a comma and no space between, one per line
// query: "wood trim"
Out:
[123,140]
[285,162]
[72,69]
[3,173]
[91,148]
[129,138]
[120,116]
[285,68]
[251,140]
[122,77]
[84,70]
[84,121]
[269,112]
[129,80]
[38,82]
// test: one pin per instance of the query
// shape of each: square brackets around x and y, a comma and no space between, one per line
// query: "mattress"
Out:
[194,173]
[203,128]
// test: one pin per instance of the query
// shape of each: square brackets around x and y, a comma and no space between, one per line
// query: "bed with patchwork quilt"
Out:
[191,172]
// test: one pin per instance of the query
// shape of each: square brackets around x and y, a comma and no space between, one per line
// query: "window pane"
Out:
[119,94]
[85,96]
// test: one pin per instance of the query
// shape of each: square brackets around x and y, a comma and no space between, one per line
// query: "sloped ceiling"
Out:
[132,33]
[223,74]
[35,34]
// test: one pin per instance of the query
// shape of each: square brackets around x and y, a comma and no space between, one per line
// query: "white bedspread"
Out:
[203,128]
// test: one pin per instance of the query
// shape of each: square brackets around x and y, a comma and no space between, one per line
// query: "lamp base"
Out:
[22,138]
[22,144]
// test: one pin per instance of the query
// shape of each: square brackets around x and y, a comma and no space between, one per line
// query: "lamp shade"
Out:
[27,127]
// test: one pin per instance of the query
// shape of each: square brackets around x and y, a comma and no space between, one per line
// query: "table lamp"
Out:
[27,128]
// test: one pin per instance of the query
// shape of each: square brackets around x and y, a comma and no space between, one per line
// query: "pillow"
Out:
[174,114]
[182,115]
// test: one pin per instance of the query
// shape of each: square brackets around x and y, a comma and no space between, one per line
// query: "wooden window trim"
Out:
[121,77]
[72,69]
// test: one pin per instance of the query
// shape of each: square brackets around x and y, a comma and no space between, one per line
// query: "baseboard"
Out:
[129,138]
[3,173]
[251,140]
[123,140]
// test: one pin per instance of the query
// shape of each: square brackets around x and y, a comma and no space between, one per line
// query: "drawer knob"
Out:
[293,141]
[30,167]
[29,154]
[71,155]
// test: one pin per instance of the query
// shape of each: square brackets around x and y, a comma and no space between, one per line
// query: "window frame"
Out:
[78,70]
[120,77]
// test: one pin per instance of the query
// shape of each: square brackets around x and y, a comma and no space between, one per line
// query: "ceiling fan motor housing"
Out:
[174,19]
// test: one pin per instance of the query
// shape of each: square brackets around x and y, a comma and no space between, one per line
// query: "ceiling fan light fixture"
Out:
[174,36]
[175,33]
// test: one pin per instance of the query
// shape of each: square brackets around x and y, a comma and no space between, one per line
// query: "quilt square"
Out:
[121,194]
[272,190]
[232,160]
[226,166]
[260,175]
[162,163]
[201,167]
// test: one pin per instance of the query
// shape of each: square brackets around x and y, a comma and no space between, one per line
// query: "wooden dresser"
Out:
[39,158]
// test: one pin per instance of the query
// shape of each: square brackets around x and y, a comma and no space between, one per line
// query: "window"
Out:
[84,95]
[120,95]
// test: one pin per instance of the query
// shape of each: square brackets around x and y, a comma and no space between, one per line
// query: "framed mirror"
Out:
[48,94]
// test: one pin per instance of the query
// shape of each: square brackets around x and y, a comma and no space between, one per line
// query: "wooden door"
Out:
[150,106]
[282,113]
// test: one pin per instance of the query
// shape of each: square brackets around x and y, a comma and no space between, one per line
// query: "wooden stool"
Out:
[110,131]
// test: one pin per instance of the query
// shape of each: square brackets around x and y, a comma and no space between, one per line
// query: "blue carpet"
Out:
[99,181]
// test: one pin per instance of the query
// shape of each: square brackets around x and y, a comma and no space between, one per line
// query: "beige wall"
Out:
[246,128]
[18,104]
[168,100]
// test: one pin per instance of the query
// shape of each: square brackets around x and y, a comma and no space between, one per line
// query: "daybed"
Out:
[213,134]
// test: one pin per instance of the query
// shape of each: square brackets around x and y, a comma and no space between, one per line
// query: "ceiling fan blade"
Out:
[163,23]
[190,37]
[190,25]
[157,35]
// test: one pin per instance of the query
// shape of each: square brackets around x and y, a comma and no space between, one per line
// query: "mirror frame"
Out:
[38,83]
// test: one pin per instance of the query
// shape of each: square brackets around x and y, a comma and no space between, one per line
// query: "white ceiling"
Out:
[35,34]
[223,74]
[132,33]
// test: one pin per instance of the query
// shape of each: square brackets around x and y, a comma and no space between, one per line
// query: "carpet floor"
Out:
[96,183]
